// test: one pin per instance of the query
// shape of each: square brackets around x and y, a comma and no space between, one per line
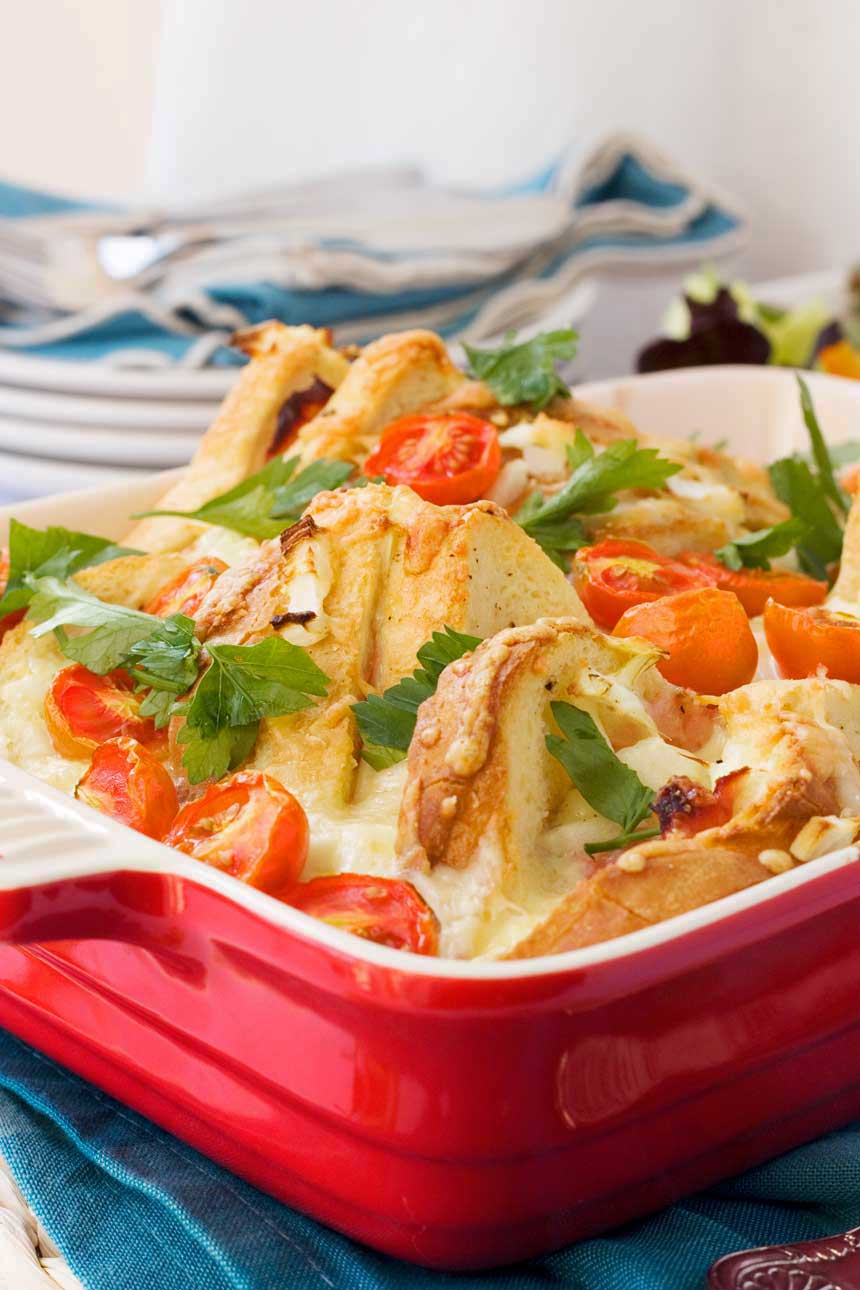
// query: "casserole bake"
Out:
[498,1108]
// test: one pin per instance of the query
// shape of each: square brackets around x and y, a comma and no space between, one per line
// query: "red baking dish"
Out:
[460,1115]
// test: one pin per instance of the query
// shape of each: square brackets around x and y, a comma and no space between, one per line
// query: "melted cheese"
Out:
[24,737]
[222,544]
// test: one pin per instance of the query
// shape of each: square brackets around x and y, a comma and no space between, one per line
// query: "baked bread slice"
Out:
[362,581]
[798,743]
[393,376]
[492,832]
[284,362]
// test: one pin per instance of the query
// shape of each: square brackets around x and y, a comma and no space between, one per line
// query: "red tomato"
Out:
[384,910]
[185,593]
[804,640]
[617,574]
[8,620]
[706,634]
[755,587]
[683,806]
[127,783]
[83,710]
[249,826]
[446,457]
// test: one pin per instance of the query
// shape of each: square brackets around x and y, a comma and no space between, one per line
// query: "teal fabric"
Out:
[631,182]
[133,1208]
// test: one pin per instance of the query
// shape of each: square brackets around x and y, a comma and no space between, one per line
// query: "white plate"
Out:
[32,372]
[22,477]
[149,414]
[101,446]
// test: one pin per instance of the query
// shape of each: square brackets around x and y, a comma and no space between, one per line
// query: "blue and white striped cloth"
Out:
[386,252]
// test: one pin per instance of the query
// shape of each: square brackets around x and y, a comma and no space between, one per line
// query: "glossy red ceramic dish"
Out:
[460,1115]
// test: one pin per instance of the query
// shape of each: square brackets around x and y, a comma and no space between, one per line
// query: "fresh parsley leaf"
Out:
[525,373]
[266,503]
[386,721]
[591,489]
[211,756]
[56,605]
[247,508]
[794,483]
[820,454]
[53,552]
[166,660]
[607,784]
[243,684]
[160,705]
[620,840]
[756,550]
[292,498]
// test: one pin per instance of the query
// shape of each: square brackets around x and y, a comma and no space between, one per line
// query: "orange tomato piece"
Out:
[755,587]
[445,457]
[8,620]
[185,593]
[617,574]
[386,911]
[841,359]
[127,783]
[250,826]
[802,641]
[706,635]
[83,710]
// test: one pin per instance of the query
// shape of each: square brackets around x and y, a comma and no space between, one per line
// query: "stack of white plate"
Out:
[66,425]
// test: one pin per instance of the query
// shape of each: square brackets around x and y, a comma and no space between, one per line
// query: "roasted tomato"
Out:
[187,591]
[755,587]
[682,806]
[447,458]
[802,641]
[615,575]
[706,635]
[127,783]
[83,710]
[247,825]
[385,910]
[8,620]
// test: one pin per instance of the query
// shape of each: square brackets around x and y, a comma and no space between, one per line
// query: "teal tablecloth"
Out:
[133,1208]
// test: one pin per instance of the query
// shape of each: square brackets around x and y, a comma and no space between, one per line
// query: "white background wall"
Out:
[760,96]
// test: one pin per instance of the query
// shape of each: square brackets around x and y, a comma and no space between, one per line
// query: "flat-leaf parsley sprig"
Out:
[595,481]
[386,721]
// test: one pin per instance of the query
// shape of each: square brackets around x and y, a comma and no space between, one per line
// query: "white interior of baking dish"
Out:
[47,837]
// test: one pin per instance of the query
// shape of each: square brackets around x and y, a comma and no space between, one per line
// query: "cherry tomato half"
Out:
[8,620]
[804,640]
[448,458]
[615,575]
[384,910]
[185,593]
[706,635]
[754,587]
[83,710]
[126,782]
[249,826]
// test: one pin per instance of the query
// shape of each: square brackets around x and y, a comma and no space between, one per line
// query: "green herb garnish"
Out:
[525,372]
[54,552]
[591,489]
[243,684]
[612,788]
[386,721]
[266,503]
[756,550]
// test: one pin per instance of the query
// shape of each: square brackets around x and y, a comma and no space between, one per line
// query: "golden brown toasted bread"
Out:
[284,360]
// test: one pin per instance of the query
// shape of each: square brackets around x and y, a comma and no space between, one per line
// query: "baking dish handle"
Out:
[121,905]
